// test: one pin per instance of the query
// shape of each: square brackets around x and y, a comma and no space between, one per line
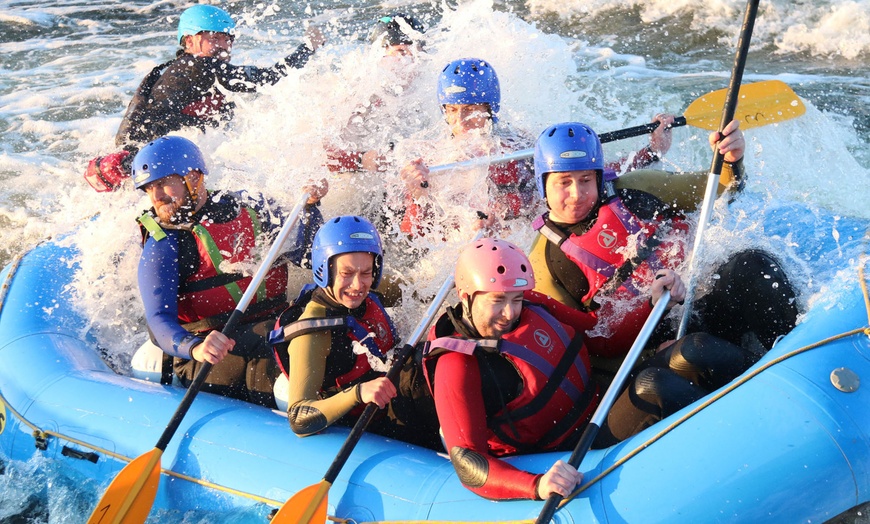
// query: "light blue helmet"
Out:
[167,155]
[469,81]
[569,146]
[202,17]
[345,234]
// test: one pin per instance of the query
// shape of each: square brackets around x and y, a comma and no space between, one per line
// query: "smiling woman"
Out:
[338,336]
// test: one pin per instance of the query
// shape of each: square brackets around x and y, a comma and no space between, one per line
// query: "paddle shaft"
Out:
[716,167]
[522,154]
[231,324]
[603,409]
[392,374]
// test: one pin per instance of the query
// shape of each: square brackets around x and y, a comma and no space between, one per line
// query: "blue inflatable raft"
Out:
[788,441]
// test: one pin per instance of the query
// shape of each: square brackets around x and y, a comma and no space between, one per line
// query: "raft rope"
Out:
[718,395]
[42,434]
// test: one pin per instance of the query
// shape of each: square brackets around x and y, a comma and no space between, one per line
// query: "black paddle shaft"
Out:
[643,129]
[195,386]
[586,440]
[364,419]
[733,93]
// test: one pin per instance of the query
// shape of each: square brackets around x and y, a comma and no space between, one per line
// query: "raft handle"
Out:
[41,439]
[82,455]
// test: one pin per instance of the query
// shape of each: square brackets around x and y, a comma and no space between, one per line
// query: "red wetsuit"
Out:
[467,387]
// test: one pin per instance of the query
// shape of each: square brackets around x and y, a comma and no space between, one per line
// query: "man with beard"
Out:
[196,245]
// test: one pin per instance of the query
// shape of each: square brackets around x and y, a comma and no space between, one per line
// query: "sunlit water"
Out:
[69,69]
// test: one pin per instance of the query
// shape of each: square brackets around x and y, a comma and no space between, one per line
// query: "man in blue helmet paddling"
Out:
[195,243]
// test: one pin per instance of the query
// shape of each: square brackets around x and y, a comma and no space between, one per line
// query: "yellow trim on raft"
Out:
[39,433]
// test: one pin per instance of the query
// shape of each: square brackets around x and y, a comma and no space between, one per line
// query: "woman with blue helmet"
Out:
[469,93]
[601,244]
[186,91]
[332,343]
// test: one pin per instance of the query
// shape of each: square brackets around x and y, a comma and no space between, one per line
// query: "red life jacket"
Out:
[210,292]
[207,108]
[374,330]
[618,254]
[554,367]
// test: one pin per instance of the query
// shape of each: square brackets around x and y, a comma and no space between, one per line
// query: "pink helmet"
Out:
[491,264]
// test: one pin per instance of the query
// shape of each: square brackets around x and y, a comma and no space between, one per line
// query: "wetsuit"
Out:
[327,350]
[497,400]
[188,92]
[753,295]
[176,271]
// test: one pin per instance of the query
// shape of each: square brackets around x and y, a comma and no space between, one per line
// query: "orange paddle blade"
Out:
[129,497]
[306,507]
[758,104]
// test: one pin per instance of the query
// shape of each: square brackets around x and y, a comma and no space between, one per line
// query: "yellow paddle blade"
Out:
[306,507]
[758,104]
[129,497]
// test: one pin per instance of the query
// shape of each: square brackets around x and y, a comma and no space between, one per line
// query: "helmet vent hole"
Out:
[501,270]
[571,132]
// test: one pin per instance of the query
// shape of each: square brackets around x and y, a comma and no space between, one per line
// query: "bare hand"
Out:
[660,140]
[316,190]
[562,478]
[374,161]
[314,37]
[733,145]
[380,391]
[670,280]
[213,349]
[484,221]
[416,177]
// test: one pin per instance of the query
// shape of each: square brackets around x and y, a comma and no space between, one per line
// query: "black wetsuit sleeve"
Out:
[247,79]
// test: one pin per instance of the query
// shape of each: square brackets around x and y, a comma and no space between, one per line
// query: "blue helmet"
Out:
[345,234]
[469,81]
[202,17]
[167,155]
[569,146]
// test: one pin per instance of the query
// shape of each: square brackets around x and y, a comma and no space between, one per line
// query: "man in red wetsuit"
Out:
[510,373]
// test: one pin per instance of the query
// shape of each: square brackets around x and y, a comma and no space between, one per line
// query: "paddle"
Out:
[731,101]
[615,388]
[309,504]
[760,103]
[129,497]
